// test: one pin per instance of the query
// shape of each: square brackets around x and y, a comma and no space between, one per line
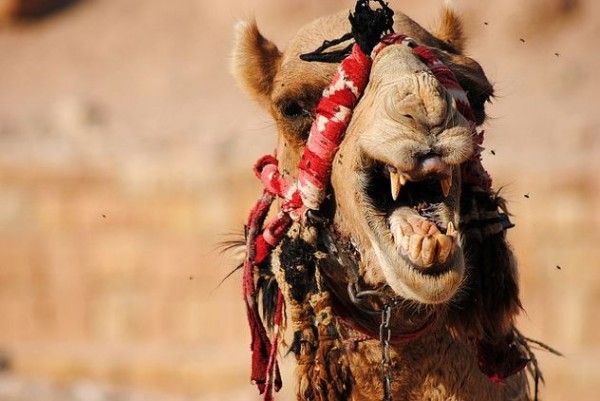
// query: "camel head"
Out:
[398,194]
[396,179]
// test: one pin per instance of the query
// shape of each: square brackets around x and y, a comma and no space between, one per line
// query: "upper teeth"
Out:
[450,230]
[446,185]
[396,181]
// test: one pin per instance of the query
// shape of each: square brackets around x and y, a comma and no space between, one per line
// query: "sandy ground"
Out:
[125,159]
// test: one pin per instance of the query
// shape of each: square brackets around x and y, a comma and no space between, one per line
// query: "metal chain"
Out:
[385,334]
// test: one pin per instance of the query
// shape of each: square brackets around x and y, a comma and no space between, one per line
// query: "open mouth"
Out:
[417,209]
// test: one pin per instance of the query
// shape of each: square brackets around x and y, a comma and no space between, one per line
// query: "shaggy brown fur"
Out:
[474,292]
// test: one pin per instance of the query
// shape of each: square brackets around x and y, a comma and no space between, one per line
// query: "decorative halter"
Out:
[333,114]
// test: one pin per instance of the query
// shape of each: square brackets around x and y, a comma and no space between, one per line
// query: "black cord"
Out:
[329,57]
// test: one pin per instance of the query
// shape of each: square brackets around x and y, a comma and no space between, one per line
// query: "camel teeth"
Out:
[450,230]
[446,185]
[395,182]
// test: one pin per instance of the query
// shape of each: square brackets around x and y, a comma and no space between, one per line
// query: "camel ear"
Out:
[491,302]
[255,61]
[450,28]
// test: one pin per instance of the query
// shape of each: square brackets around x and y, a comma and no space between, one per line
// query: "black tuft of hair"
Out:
[267,288]
[299,265]
[369,25]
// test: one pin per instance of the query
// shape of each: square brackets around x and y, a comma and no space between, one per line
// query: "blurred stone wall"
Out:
[125,159]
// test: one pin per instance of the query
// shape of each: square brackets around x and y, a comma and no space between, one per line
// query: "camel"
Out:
[403,285]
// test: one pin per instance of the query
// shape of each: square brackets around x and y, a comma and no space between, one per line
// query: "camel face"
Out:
[396,181]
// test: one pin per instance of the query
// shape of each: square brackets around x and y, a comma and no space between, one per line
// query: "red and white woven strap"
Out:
[333,114]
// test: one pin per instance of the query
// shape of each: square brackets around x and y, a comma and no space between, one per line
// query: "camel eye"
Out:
[293,109]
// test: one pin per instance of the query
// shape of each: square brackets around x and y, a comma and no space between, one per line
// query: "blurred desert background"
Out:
[125,154]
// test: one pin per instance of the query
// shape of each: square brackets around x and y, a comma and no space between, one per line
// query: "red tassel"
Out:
[260,342]
[273,374]
[259,244]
